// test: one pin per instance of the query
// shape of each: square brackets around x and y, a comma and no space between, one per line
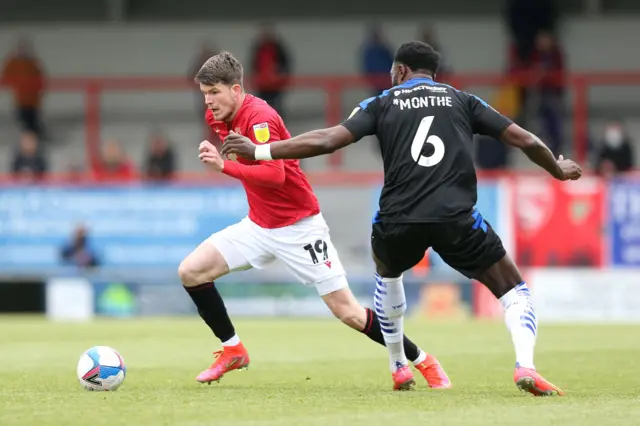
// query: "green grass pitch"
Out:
[313,372]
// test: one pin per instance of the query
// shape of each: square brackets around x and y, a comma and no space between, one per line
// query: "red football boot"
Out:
[403,379]
[433,373]
[228,359]
[528,380]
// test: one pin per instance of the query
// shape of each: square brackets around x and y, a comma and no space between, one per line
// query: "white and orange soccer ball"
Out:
[101,368]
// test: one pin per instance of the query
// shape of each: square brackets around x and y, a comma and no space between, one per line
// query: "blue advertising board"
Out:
[140,226]
[624,222]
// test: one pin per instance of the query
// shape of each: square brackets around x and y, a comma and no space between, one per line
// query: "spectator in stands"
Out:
[78,251]
[525,19]
[615,154]
[547,62]
[428,34]
[29,163]
[376,59]
[114,165]
[270,68]
[160,158]
[23,73]
[207,50]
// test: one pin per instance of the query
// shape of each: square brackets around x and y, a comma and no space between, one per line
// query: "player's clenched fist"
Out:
[210,156]
[570,169]
[206,146]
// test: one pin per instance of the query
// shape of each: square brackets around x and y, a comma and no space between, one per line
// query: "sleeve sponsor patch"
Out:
[262,133]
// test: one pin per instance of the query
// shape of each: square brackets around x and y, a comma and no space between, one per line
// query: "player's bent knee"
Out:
[192,275]
[205,264]
[381,268]
[188,274]
[501,277]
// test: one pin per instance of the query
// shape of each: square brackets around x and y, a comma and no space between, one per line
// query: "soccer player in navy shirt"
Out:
[428,200]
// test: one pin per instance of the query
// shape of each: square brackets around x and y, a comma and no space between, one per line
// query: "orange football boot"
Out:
[228,359]
[433,373]
[403,378]
[528,380]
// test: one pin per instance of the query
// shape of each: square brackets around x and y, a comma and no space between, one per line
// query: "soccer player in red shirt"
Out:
[284,222]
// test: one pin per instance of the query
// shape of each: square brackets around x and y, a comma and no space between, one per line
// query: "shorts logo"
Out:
[328,263]
[262,132]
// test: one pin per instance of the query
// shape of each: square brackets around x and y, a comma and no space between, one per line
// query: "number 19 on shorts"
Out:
[319,248]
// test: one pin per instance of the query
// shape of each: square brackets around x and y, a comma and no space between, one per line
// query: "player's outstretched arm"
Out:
[269,174]
[540,154]
[310,144]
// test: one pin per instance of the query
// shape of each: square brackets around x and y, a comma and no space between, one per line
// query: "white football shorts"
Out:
[305,248]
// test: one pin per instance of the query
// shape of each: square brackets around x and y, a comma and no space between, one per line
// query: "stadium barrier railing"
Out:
[94,88]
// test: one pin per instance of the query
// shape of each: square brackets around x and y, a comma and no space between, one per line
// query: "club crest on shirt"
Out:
[262,132]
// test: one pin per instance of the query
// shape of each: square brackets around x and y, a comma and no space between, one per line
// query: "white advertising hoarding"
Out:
[586,295]
[69,299]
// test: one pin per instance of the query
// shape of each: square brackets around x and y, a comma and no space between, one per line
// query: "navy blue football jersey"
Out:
[425,130]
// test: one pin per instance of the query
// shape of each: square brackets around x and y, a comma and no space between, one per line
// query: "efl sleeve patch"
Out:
[262,133]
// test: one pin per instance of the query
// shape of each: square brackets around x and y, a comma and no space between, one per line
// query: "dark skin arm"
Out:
[538,153]
[310,144]
[325,141]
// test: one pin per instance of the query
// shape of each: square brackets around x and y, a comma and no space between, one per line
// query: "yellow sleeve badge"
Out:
[261,131]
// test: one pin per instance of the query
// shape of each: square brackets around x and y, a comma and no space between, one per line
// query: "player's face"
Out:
[222,99]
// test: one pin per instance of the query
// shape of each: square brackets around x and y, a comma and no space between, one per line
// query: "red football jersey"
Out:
[278,192]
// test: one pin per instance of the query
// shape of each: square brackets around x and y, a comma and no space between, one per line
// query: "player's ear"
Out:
[402,73]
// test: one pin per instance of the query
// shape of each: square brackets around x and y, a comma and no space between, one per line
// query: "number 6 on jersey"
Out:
[422,137]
